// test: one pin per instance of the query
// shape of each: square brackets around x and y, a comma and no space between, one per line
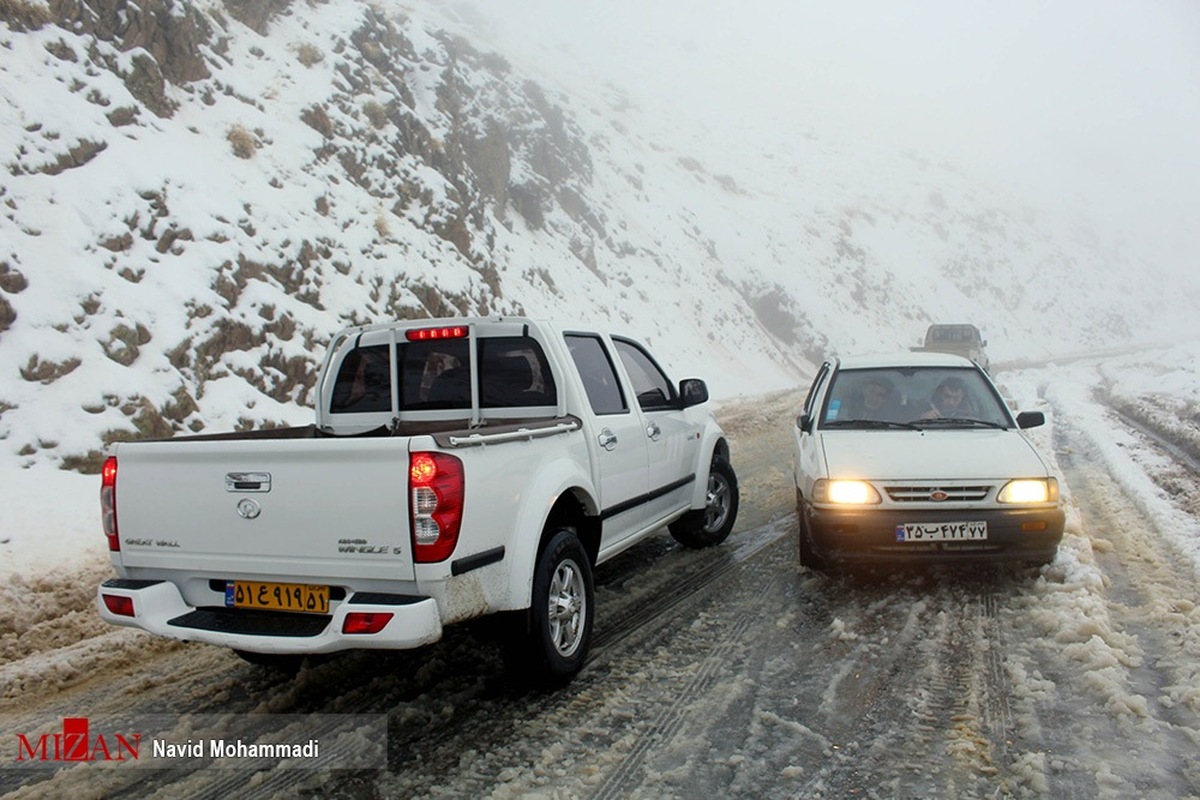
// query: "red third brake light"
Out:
[425,334]
[108,503]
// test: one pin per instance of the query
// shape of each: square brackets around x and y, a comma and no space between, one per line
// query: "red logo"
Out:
[78,743]
[938,495]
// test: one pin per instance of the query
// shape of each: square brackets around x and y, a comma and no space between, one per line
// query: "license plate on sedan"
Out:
[941,531]
[277,596]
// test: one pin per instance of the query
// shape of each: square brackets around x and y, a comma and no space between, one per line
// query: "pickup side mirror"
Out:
[692,392]
[804,423]
[1030,419]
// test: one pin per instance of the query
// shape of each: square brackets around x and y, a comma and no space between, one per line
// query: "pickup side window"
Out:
[598,374]
[650,384]
[363,382]
[513,372]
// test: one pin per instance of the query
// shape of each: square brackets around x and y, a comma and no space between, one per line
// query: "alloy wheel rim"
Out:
[716,507]
[567,608]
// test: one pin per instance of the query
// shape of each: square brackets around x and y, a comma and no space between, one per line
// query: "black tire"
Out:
[711,525]
[551,645]
[809,557]
[279,662]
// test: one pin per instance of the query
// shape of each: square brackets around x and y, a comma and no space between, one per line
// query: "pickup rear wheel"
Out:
[559,629]
[711,525]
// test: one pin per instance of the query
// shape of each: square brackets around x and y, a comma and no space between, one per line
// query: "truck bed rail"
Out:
[511,432]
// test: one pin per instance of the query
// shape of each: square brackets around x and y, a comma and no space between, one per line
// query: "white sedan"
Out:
[916,457]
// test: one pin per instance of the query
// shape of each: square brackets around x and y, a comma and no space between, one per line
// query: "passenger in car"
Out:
[875,401]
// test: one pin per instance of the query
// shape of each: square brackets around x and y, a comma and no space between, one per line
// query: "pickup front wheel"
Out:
[559,629]
[711,525]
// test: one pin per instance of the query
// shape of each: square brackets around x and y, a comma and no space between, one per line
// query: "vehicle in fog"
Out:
[961,339]
[916,457]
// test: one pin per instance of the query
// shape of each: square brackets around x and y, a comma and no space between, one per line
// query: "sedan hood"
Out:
[930,454]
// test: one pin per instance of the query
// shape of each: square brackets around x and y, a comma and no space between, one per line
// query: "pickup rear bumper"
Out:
[158,607]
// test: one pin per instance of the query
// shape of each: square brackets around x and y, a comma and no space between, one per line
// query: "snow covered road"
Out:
[733,672]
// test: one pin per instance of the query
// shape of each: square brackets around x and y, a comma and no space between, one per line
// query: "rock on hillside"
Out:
[199,195]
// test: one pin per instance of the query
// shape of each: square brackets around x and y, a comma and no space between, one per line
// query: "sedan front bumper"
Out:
[870,535]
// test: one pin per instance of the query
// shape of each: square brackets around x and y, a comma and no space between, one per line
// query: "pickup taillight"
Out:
[108,502]
[435,490]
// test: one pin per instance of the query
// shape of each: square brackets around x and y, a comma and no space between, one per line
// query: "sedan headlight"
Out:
[858,493]
[1029,490]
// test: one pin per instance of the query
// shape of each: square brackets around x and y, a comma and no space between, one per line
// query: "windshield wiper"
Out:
[966,421]
[869,423]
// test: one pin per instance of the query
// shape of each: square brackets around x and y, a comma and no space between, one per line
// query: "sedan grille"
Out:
[933,493]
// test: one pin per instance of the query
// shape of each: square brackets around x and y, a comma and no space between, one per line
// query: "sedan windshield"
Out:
[884,398]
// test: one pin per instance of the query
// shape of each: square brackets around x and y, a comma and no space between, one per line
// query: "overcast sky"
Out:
[1059,99]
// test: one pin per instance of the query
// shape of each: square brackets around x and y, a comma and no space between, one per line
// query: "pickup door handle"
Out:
[653,431]
[607,439]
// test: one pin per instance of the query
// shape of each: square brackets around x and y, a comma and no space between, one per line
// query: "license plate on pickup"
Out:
[277,596]
[941,531]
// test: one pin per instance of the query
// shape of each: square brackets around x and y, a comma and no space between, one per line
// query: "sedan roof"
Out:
[904,359]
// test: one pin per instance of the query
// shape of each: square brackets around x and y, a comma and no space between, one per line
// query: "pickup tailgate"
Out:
[256,508]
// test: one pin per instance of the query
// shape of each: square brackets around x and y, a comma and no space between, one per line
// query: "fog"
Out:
[1079,107]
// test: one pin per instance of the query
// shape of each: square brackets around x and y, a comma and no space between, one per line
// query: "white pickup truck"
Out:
[456,468]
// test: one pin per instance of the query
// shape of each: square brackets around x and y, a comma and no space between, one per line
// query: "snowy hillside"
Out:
[196,196]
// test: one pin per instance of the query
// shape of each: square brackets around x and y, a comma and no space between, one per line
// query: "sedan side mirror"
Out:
[804,423]
[692,392]
[1030,419]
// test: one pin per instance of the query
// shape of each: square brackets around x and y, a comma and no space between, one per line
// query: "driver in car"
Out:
[950,400]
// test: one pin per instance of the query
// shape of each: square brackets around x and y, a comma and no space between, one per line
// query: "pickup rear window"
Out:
[436,375]
[967,334]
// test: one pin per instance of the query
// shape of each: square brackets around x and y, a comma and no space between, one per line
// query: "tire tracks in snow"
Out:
[921,708]
[1144,651]
[671,718]
[664,598]
[635,615]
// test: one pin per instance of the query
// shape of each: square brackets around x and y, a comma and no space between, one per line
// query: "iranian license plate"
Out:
[941,531]
[277,596]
